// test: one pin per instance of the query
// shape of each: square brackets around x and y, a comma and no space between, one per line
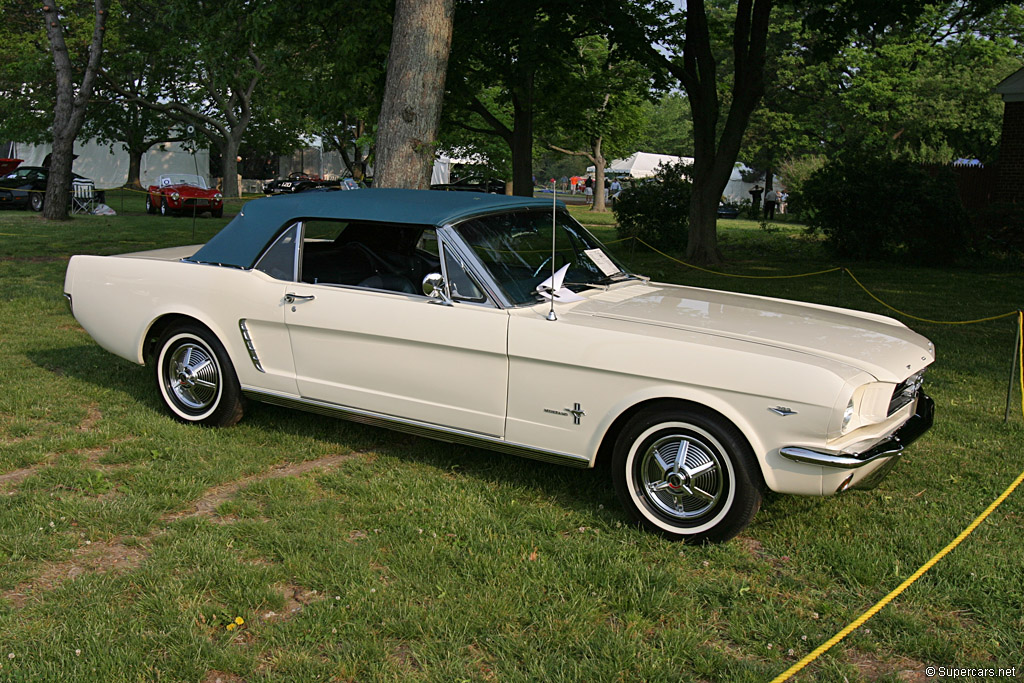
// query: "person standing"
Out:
[769,205]
[616,188]
[588,190]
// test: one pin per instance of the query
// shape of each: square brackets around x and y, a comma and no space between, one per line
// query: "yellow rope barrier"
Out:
[856,623]
[926,320]
[749,277]
[899,589]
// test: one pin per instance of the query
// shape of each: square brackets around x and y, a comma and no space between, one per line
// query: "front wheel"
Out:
[164,209]
[196,379]
[35,200]
[687,474]
[217,213]
[150,207]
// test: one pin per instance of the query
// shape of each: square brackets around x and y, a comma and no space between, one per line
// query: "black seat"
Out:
[389,282]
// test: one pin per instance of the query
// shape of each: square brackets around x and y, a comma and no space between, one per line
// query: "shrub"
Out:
[871,207]
[657,210]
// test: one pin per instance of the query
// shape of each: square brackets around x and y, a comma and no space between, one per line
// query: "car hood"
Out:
[876,344]
[8,165]
[187,189]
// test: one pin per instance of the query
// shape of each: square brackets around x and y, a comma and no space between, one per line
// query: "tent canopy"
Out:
[641,164]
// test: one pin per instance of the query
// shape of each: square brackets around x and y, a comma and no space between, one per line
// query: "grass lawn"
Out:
[130,542]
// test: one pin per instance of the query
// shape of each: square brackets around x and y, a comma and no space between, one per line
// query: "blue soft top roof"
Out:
[243,239]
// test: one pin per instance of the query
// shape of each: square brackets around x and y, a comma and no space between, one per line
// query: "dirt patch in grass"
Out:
[215,497]
[221,677]
[296,597]
[100,557]
[873,666]
[403,656]
[117,555]
[92,416]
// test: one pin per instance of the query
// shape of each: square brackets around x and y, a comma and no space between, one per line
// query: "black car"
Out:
[297,182]
[473,183]
[728,211]
[25,187]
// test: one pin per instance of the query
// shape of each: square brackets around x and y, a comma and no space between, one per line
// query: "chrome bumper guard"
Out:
[890,447]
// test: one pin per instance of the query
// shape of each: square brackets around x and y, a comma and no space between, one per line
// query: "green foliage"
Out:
[795,172]
[870,207]
[657,210]
[667,127]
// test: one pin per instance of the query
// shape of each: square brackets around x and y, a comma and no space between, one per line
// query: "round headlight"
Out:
[218,195]
[175,196]
[848,415]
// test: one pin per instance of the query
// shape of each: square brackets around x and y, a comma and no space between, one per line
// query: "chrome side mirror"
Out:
[433,286]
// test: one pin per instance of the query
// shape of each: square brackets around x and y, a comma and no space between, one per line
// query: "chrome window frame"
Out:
[296,262]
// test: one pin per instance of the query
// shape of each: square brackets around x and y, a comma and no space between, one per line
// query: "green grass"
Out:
[129,541]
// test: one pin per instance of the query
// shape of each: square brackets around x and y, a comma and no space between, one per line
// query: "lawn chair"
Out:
[83,196]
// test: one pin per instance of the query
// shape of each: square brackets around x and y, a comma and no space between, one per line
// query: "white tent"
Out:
[109,168]
[641,164]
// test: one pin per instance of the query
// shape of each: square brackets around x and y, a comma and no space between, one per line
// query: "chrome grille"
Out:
[905,392]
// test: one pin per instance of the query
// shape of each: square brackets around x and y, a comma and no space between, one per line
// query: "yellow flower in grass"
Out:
[239,620]
[230,627]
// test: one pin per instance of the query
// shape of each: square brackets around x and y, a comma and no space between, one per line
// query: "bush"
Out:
[657,210]
[879,208]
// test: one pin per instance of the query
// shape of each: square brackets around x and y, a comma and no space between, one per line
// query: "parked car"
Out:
[298,182]
[728,211]
[183,193]
[25,187]
[437,313]
[475,183]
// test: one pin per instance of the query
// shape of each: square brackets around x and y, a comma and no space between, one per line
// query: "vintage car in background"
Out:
[502,323]
[728,211]
[177,194]
[298,182]
[25,187]
[475,183]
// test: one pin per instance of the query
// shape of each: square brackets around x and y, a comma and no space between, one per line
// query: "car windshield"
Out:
[516,249]
[182,179]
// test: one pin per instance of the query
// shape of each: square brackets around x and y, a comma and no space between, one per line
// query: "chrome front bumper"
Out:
[890,447]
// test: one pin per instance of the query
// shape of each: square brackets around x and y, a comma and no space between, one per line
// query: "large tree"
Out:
[511,51]
[212,56]
[411,112]
[594,110]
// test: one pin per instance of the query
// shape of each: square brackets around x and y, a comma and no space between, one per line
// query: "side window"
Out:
[281,259]
[461,285]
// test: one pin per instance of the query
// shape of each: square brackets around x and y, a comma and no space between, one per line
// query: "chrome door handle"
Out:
[292,298]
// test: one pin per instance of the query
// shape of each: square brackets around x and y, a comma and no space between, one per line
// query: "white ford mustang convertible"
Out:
[502,323]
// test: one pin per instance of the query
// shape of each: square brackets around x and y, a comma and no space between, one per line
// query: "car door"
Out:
[400,354]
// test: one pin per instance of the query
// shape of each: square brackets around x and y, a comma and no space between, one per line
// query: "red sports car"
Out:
[182,193]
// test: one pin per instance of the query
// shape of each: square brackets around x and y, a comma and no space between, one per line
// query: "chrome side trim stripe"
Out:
[249,346]
[415,427]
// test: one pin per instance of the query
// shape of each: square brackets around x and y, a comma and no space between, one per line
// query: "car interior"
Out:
[387,256]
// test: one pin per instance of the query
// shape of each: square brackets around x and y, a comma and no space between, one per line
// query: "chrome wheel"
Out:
[683,476]
[686,473]
[193,376]
[196,379]
[36,200]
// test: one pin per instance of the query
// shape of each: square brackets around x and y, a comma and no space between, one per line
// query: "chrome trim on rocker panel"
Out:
[424,429]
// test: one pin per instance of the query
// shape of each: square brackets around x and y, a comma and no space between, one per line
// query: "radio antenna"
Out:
[554,207]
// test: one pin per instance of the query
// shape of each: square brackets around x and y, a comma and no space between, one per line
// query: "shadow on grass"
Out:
[578,490]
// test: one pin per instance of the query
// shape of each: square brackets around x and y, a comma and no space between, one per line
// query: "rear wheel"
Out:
[687,474]
[196,379]
[35,200]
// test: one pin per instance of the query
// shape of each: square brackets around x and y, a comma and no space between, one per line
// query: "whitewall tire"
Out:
[687,474]
[196,379]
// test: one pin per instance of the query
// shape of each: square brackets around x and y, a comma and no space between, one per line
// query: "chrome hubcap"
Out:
[193,376]
[682,476]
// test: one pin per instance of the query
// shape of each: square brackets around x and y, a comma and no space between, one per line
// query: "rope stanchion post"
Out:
[1013,368]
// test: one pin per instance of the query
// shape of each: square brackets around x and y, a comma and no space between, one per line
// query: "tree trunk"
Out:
[69,108]
[134,181]
[411,111]
[229,165]
[599,164]
[522,140]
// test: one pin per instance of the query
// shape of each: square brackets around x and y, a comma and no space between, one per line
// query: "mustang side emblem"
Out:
[576,411]
[783,411]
